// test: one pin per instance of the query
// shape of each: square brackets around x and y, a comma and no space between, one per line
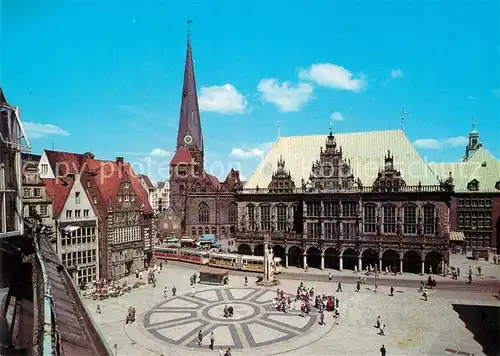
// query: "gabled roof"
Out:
[146,180]
[65,162]
[58,191]
[365,150]
[181,156]
[213,180]
[161,185]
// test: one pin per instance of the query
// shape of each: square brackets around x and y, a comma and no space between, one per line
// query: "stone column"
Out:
[443,268]
[286,260]
[341,263]
[380,264]
[304,260]
[360,264]
[423,268]
[401,265]
[322,261]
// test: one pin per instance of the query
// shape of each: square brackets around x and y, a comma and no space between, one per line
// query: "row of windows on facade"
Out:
[78,213]
[83,235]
[390,217]
[126,234]
[32,193]
[213,230]
[79,258]
[473,202]
[129,253]
[87,275]
[42,210]
[204,213]
[479,242]
[474,220]
[349,230]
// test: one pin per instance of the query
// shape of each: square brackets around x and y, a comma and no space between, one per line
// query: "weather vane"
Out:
[403,113]
[189,22]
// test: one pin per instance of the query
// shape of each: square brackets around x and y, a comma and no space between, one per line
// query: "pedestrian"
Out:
[221,351]
[246,281]
[212,341]
[174,290]
[228,352]
[358,286]
[382,350]
[339,287]
[392,291]
[329,276]
[382,333]
[200,337]
[98,309]
[337,303]
[165,291]
[479,270]
[425,295]
[377,325]
[458,271]
[193,291]
[470,278]
[322,318]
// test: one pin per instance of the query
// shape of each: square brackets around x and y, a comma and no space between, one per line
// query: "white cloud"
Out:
[158,152]
[224,99]
[434,144]
[36,130]
[258,151]
[336,116]
[334,76]
[397,73]
[287,97]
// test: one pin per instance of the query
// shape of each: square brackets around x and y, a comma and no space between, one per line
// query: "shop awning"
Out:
[457,236]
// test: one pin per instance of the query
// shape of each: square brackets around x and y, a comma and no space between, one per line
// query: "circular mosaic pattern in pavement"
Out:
[177,320]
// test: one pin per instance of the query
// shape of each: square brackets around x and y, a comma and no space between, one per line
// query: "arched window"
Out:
[200,231]
[193,231]
[233,213]
[203,213]
[251,216]
[389,219]
[214,230]
[370,218]
[207,230]
[429,219]
[223,230]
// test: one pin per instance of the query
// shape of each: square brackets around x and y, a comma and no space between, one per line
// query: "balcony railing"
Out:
[367,189]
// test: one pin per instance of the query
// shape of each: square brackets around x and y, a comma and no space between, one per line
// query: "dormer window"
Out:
[473,185]
[77,197]
[484,164]
[126,197]
[497,185]
[125,185]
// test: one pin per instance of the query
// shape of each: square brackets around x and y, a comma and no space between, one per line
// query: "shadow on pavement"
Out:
[484,323]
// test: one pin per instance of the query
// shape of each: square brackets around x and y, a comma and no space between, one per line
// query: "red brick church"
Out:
[199,202]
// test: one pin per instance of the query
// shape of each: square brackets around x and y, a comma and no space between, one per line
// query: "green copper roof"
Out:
[365,150]
[481,166]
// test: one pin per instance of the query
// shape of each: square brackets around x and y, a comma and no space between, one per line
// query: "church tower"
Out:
[474,143]
[187,164]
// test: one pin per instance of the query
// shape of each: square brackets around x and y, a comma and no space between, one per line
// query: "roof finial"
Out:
[189,21]
[403,113]
[331,128]
[473,123]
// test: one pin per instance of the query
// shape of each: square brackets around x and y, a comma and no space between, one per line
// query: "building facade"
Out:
[106,200]
[475,207]
[204,204]
[37,204]
[344,215]
[162,196]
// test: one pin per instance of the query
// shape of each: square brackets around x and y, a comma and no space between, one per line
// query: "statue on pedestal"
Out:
[268,263]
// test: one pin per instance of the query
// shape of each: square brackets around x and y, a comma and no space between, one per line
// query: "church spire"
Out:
[189,134]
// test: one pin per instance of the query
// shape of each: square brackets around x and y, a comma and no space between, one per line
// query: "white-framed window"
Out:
[126,197]
[37,192]
[77,197]
[44,168]
[27,192]
[85,213]
[78,213]
[43,210]
[68,214]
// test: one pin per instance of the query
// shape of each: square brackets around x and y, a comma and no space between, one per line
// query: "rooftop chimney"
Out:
[119,159]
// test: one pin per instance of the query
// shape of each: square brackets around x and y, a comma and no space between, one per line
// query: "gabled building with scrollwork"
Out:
[346,200]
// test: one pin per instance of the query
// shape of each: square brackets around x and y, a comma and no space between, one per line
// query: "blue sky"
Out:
[106,76]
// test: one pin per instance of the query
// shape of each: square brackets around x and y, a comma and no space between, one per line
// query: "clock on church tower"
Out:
[188,139]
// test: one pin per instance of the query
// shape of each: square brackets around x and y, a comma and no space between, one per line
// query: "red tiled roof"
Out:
[58,193]
[182,155]
[63,163]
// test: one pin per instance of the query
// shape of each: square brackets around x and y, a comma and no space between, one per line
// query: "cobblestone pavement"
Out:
[169,326]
